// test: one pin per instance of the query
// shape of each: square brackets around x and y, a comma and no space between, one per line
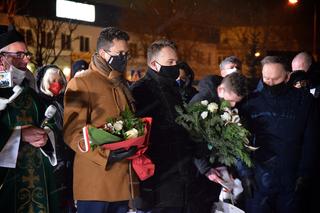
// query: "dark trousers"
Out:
[164,210]
[102,207]
[273,203]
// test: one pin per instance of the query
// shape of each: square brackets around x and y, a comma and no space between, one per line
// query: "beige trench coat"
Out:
[91,98]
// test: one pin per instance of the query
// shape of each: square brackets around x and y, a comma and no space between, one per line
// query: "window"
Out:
[27,34]
[65,42]
[50,41]
[43,38]
[84,44]
[29,38]
[46,39]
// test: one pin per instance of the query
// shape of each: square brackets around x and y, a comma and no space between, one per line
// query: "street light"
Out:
[293,2]
[315,16]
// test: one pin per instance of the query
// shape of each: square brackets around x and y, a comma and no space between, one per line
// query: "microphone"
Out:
[50,111]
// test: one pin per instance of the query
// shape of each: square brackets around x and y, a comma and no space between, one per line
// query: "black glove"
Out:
[249,186]
[120,154]
[202,165]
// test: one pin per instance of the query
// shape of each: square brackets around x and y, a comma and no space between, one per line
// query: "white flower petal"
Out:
[204,114]
[132,133]
[118,126]
[204,102]
[213,107]
[225,116]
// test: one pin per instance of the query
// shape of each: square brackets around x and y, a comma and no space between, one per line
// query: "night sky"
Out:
[203,16]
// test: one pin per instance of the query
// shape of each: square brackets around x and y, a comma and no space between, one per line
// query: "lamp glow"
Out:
[75,10]
[293,2]
[66,71]
[257,54]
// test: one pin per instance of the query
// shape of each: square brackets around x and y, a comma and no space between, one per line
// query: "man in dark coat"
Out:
[156,95]
[210,83]
[303,61]
[232,89]
[282,121]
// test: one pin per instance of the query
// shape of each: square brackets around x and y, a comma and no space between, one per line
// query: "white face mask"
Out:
[17,75]
[231,70]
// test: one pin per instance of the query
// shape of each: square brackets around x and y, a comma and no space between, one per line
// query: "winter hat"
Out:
[79,65]
[9,35]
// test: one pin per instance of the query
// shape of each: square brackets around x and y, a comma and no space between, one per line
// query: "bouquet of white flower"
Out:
[219,127]
[122,133]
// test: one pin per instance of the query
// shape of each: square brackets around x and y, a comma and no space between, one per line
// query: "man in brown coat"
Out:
[101,180]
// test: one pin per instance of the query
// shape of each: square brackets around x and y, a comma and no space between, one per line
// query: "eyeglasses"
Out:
[122,54]
[19,54]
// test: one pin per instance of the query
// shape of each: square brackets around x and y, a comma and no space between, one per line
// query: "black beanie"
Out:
[9,36]
[79,65]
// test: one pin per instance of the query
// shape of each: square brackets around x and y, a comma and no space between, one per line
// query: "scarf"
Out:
[115,77]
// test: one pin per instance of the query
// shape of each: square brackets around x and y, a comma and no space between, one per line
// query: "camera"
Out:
[6,79]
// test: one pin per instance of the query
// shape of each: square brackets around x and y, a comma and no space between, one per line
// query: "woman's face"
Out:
[55,77]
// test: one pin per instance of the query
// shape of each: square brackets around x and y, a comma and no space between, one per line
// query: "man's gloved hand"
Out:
[249,186]
[202,164]
[120,154]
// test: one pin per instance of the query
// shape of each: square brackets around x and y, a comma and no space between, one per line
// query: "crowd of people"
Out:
[42,168]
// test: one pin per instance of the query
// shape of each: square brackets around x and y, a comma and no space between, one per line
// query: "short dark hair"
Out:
[156,47]
[230,60]
[237,83]
[108,34]
[277,60]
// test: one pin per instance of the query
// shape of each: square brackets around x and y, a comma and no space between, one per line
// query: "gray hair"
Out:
[230,60]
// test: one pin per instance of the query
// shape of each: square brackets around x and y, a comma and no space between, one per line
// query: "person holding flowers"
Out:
[101,176]
[230,91]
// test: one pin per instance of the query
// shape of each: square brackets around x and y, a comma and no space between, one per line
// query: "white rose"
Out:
[225,116]
[204,114]
[204,102]
[118,125]
[132,133]
[109,127]
[213,107]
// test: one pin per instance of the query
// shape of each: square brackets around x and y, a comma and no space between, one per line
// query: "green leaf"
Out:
[99,136]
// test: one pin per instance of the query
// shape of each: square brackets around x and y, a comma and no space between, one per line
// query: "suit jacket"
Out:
[91,98]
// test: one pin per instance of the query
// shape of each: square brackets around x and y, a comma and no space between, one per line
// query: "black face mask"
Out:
[118,62]
[171,72]
[181,83]
[275,89]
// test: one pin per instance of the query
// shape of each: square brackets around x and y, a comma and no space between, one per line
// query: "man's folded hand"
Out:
[120,154]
